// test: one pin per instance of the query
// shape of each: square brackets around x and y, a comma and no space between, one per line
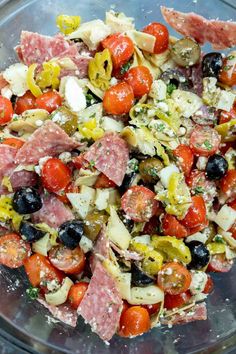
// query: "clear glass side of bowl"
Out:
[27,322]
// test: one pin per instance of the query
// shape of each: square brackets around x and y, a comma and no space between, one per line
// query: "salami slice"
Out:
[53,212]
[7,160]
[101,305]
[101,248]
[48,140]
[221,34]
[196,313]
[109,155]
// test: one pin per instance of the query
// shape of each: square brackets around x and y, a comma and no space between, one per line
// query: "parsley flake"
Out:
[170,88]
[199,190]
[125,67]
[207,145]
[32,292]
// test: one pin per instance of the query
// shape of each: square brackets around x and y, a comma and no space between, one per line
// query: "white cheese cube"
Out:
[198,236]
[101,198]
[166,173]
[198,282]
[226,217]
[158,90]
[74,95]
[82,201]
[86,244]
[225,100]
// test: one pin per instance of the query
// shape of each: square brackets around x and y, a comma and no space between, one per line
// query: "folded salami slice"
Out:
[196,313]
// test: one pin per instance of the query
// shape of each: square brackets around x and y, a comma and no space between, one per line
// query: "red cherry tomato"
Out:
[228,184]
[140,79]
[194,230]
[199,184]
[152,309]
[139,204]
[232,204]
[80,162]
[219,264]
[185,158]
[174,278]
[15,142]
[233,231]
[121,48]
[209,285]
[55,175]
[228,72]
[6,110]
[204,141]
[175,301]
[76,293]
[71,188]
[118,99]
[25,102]
[196,214]
[227,116]
[67,260]
[161,33]
[134,321]
[104,182]
[224,147]
[172,227]
[13,250]
[40,271]
[49,101]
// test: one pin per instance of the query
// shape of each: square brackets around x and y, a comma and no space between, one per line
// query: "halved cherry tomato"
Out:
[209,285]
[139,204]
[199,184]
[196,214]
[121,48]
[232,204]
[228,72]
[55,175]
[15,142]
[13,250]
[76,293]
[152,226]
[227,116]
[80,162]
[67,260]
[118,99]
[152,309]
[161,33]
[175,301]
[172,227]
[104,182]
[140,79]
[25,102]
[233,231]
[40,271]
[71,188]
[49,101]
[6,110]
[219,264]
[185,158]
[204,141]
[174,278]
[194,230]
[228,183]
[134,321]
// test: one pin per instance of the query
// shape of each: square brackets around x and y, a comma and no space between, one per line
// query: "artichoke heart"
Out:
[100,69]
[172,248]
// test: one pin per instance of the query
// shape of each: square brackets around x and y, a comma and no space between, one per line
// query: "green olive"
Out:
[93,224]
[186,52]
[67,120]
[149,169]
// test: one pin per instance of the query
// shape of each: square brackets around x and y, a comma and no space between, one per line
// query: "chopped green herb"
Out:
[231,57]
[160,127]
[92,163]
[15,118]
[227,67]
[125,67]
[207,145]
[90,99]
[219,239]
[170,88]
[199,190]
[32,292]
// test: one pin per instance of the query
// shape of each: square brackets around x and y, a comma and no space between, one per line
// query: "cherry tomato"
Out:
[199,184]
[204,141]
[140,79]
[196,214]
[14,142]
[49,101]
[152,309]
[118,99]
[185,158]
[55,175]
[209,285]
[219,264]
[194,230]
[80,162]
[139,204]
[6,110]
[227,116]
[224,147]
[134,321]
[25,102]
[67,260]
[233,231]
[174,278]
[228,183]
[104,182]
[232,204]
[76,293]
[40,271]
[172,227]
[13,250]
[121,48]
[228,72]
[175,301]
[71,188]
[161,33]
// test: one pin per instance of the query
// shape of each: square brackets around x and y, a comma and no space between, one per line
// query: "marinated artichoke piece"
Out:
[67,120]
[186,52]
[149,169]
[93,224]
[172,248]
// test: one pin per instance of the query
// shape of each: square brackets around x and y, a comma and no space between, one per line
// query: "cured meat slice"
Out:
[101,248]
[23,179]
[221,34]
[48,140]
[109,155]
[101,305]
[7,160]
[196,313]
[126,254]
[64,312]
[53,212]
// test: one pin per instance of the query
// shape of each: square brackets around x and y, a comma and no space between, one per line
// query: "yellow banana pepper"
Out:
[68,24]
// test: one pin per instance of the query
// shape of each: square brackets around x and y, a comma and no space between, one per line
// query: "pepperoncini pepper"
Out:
[49,76]
[68,24]
[31,83]
[90,130]
[100,69]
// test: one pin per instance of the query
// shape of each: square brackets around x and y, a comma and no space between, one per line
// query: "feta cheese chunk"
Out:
[74,95]
[102,198]
[198,282]
[82,201]
[225,100]
[158,90]
[16,76]
[226,217]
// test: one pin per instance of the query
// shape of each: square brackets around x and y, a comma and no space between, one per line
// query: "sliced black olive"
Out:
[139,277]
[177,78]
[212,64]
[216,167]
[129,180]
[186,52]
[26,200]
[29,232]
[70,233]
[129,224]
[200,255]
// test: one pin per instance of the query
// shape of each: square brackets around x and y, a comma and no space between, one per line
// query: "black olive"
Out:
[200,255]
[129,224]
[212,64]
[29,232]
[216,167]
[26,200]
[175,77]
[139,277]
[70,233]
[129,180]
